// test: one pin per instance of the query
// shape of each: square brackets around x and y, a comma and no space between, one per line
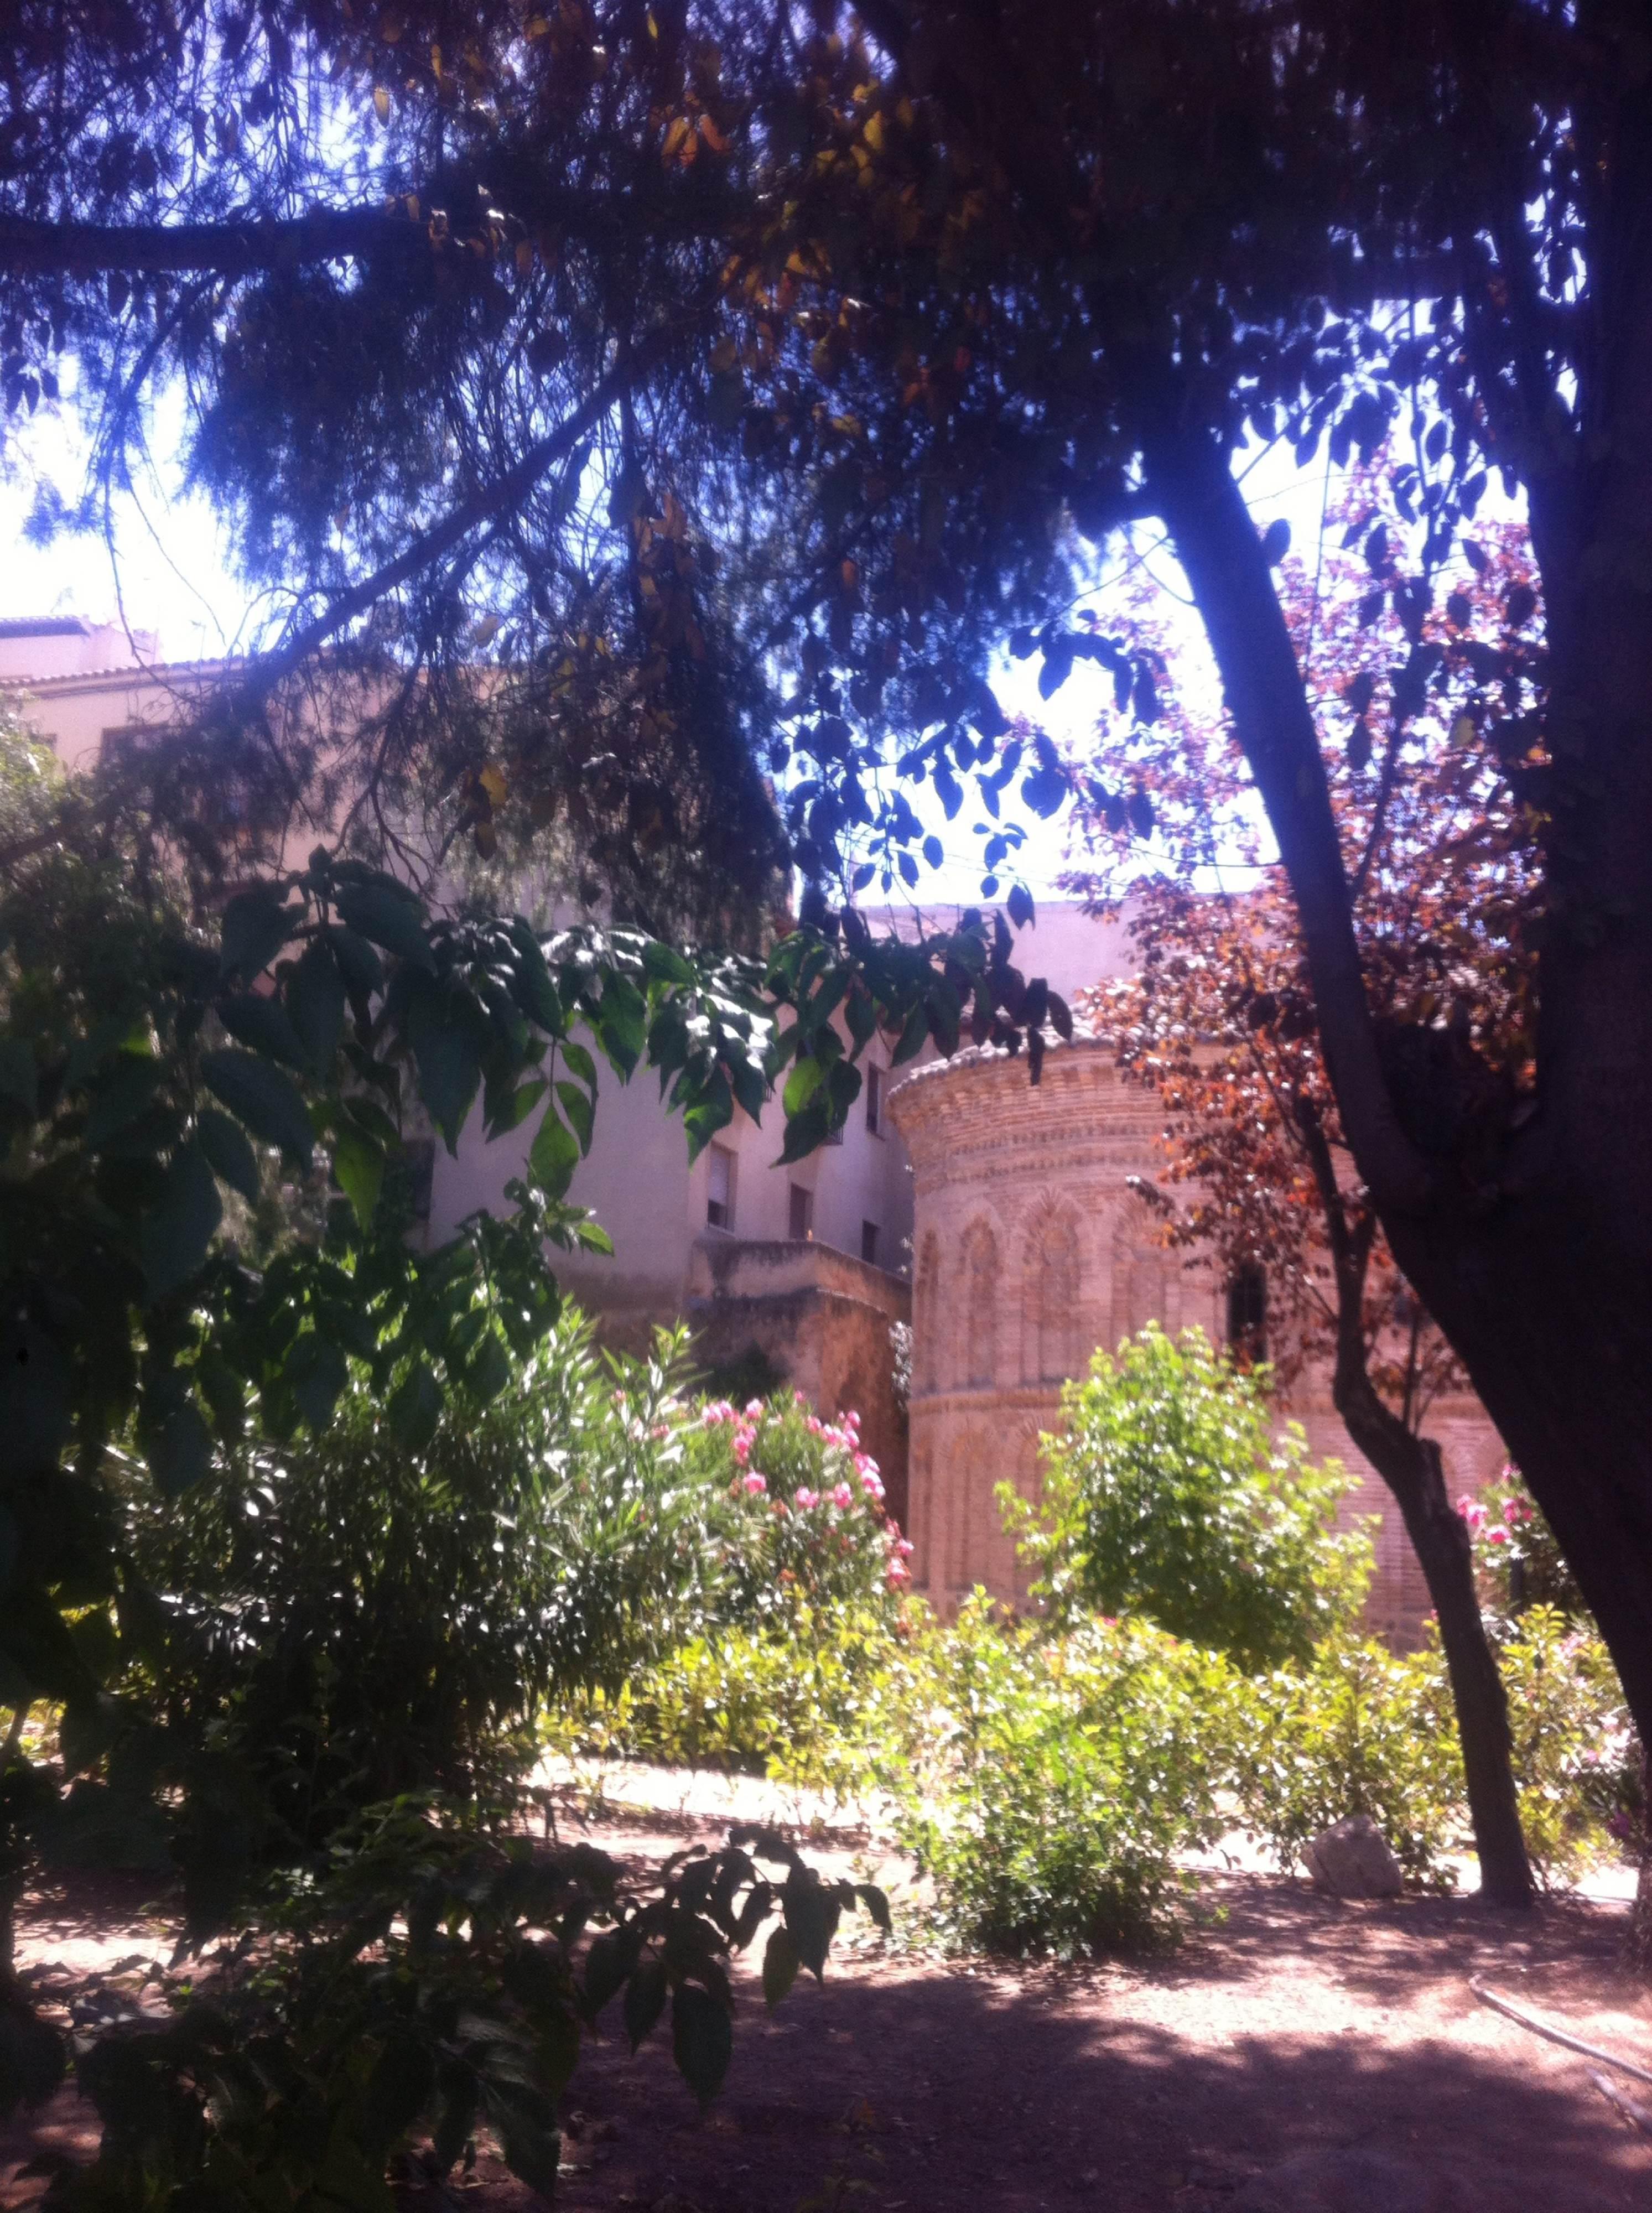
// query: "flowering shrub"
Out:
[1517,1563]
[805,1516]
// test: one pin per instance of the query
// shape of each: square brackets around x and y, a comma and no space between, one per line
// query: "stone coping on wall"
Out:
[723,1267]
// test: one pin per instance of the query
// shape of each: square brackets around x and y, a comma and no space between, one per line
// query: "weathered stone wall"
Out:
[1030,1250]
[823,1319]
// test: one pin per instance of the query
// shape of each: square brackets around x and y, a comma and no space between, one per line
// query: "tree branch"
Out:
[1221,552]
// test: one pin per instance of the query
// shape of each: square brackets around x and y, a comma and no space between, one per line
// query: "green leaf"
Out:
[231,1157]
[531,2152]
[702,2041]
[877,1904]
[119,1098]
[645,2000]
[554,1155]
[258,1021]
[621,1023]
[446,1033]
[806,1133]
[263,1098]
[517,1108]
[576,1105]
[608,1965]
[390,917]
[315,1001]
[316,1373]
[802,1085]
[912,1036]
[256,925]
[490,1369]
[176,1234]
[358,1163]
[780,1965]
[361,968]
[665,965]
[399,2090]
[812,1914]
[179,1449]
[414,1409]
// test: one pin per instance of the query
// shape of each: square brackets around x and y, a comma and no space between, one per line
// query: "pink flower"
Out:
[755,1484]
[896,1574]
[754,1410]
[843,1496]
[806,1497]
[904,1549]
[1497,1536]
[798,1400]
[851,1420]
[872,1484]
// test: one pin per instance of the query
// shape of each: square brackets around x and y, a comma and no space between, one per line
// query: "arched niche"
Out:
[1052,1326]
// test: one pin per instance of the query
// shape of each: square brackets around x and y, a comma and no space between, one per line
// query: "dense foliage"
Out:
[1168,1494]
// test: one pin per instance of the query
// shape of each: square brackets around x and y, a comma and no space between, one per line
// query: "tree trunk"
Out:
[1411,1466]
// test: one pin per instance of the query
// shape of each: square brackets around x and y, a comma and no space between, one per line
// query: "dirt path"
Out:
[1290,2024]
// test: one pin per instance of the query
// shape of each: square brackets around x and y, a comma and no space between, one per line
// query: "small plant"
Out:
[428,1980]
[1359,1730]
[1048,1786]
[1168,1495]
[1577,1760]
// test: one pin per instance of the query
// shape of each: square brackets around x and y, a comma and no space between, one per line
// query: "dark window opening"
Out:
[874,1101]
[802,1219]
[870,1243]
[719,1188]
[1247,1311]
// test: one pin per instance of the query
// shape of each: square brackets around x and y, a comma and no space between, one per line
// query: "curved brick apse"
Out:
[1030,1249]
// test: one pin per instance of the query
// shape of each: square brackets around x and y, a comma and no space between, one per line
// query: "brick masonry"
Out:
[1030,1249]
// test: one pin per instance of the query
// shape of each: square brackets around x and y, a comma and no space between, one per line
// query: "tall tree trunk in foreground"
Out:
[1411,1466]
[1531,1245]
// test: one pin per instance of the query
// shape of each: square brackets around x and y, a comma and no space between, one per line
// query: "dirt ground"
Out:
[1288,2023]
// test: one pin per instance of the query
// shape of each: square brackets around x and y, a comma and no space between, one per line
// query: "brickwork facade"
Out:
[1031,1249]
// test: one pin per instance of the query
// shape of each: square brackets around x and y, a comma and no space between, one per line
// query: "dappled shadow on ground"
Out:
[1156,2086]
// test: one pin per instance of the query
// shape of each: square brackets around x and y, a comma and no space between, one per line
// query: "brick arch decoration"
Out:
[1140,1274]
[1053,1283]
[926,1317]
[980,1290]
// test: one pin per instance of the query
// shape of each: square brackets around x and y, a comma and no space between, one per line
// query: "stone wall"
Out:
[1031,1249]
[822,1318]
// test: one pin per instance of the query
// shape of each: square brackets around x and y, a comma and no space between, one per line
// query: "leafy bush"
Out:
[1359,1730]
[428,1981]
[1048,1784]
[798,1700]
[1168,1496]
[1576,1758]
[355,1617]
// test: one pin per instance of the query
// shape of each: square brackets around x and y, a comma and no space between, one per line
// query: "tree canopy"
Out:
[734,385]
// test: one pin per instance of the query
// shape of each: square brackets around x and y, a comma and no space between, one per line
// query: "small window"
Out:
[719,1188]
[801,1221]
[870,1243]
[1247,1311]
[874,1101]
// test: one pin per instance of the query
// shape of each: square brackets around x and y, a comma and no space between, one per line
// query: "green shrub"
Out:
[1047,1785]
[1359,1730]
[1576,1758]
[1168,1496]
[797,1699]
[354,1619]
